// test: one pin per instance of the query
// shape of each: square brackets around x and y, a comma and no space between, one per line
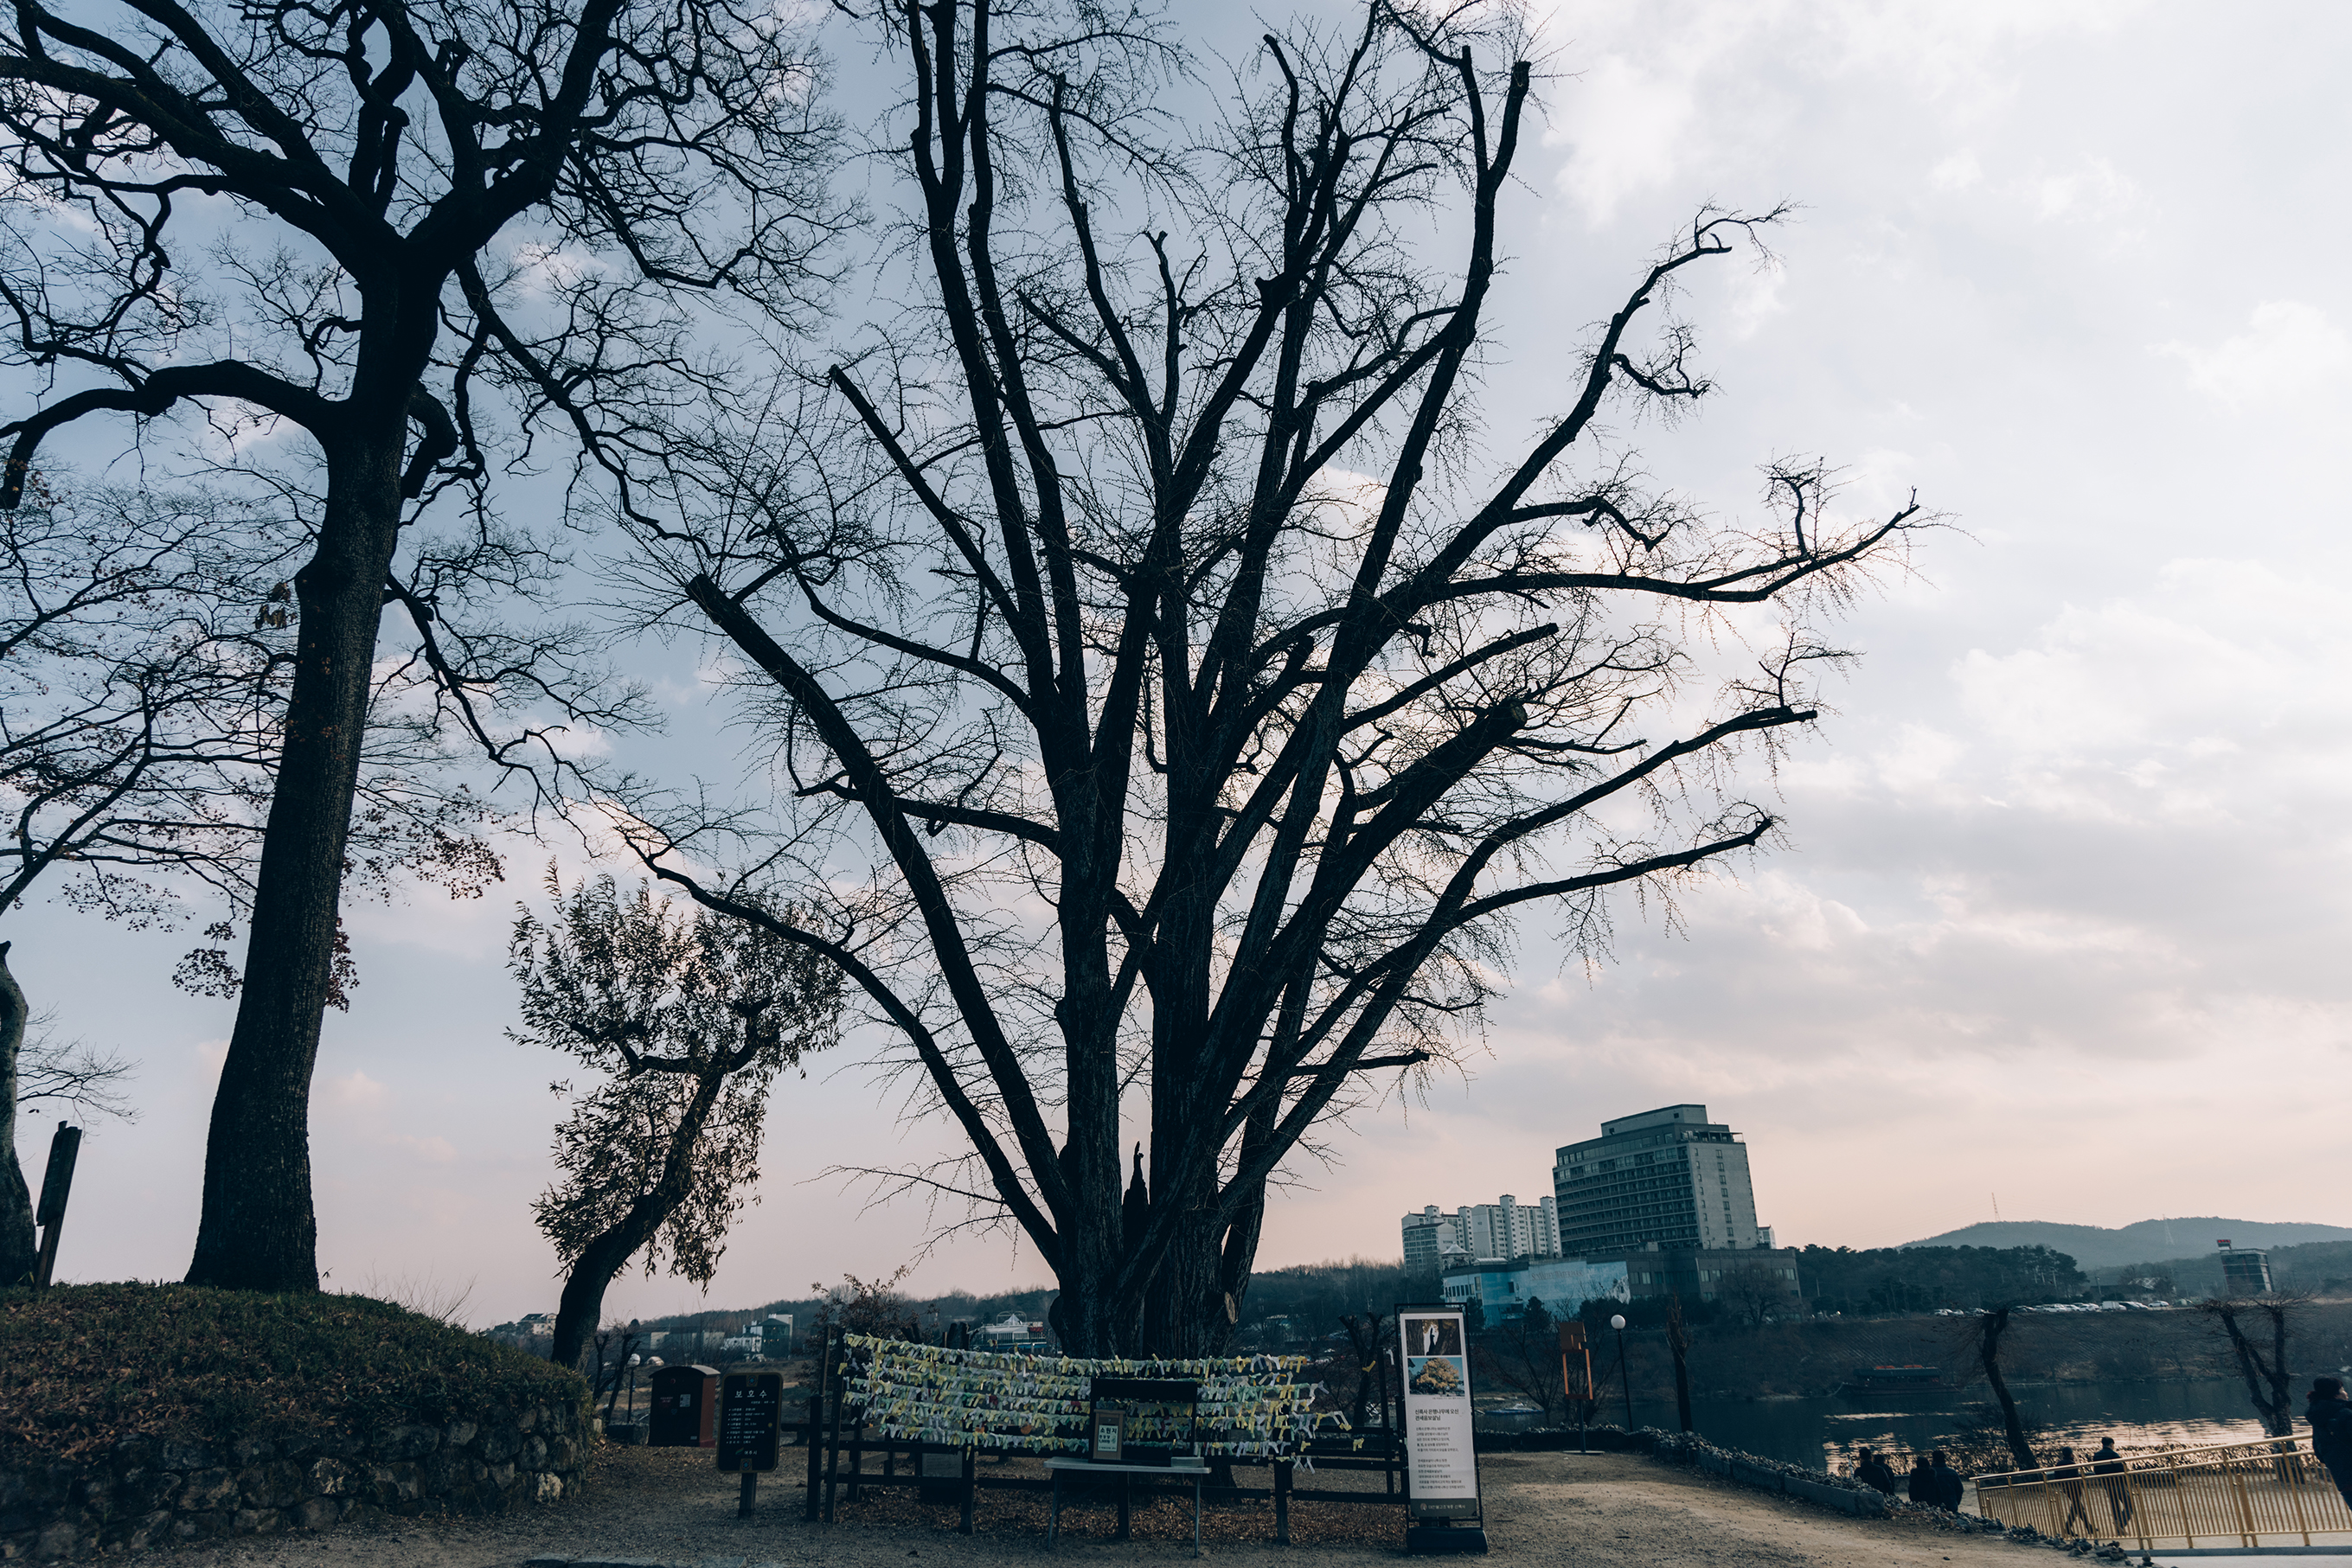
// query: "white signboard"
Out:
[1441,1462]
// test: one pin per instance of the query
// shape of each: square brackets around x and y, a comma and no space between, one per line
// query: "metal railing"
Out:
[2241,1493]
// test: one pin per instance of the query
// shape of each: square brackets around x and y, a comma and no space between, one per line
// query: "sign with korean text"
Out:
[750,1409]
[1441,1461]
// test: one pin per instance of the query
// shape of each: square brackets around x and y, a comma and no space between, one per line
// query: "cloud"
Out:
[355,1088]
[1624,126]
[2288,350]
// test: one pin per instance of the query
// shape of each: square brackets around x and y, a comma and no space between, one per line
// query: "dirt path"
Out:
[669,1507]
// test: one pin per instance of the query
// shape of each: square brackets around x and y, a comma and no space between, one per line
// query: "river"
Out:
[1824,1433]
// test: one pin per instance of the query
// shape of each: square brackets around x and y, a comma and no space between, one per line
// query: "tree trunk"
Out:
[2269,1387]
[1992,1325]
[1678,1341]
[18,1246]
[2282,1410]
[1184,1306]
[259,1233]
[582,1303]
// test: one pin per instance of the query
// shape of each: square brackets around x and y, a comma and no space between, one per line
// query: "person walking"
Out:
[2109,1466]
[2329,1411]
[1949,1488]
[2068,1475]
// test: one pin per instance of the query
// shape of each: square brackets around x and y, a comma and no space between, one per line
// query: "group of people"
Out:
[1932,1480]
[2069,1471]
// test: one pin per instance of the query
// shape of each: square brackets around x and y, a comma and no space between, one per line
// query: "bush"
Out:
[81,1365]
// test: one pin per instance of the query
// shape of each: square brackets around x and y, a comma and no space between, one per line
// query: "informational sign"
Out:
[751,1408]
[1441,1461]
[1109,1445]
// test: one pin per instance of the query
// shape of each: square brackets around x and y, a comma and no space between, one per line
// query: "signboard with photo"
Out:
[1441,1462]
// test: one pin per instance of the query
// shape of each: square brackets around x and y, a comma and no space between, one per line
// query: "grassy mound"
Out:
[81,1365]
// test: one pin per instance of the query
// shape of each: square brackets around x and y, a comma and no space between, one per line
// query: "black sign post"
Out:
[57,1186]
[750,1411]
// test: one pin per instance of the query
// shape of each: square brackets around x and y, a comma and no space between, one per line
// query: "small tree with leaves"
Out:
[684,1021]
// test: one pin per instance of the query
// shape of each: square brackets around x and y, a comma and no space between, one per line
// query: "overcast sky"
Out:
[2062,914]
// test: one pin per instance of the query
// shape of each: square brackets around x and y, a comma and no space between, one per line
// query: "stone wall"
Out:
[149,1491]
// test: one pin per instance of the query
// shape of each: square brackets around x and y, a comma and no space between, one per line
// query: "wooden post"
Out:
[815,1438]
[1282,1501]
[57,1186]
[1392,1429]
[970,1485]
[833,1438]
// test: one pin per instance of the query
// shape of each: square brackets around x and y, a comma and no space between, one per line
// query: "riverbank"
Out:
[1580,1511]
[1821,1358]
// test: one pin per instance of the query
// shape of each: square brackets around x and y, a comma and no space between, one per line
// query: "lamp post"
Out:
[1618,1323]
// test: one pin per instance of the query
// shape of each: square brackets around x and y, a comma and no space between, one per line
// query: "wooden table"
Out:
[1195,1472]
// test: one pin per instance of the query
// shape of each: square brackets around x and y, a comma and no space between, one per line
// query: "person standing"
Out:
[1922,1480]
[2329,1411]
[2069,1476]
[2109,1466]
[1949,1488]
[1875,1472]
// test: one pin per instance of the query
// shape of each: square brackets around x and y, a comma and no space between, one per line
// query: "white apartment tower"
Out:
[1507,1228]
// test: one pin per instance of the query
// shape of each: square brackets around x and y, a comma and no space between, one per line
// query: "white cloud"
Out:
[1956,172]
[356,1088]
[1624,127]
[2288,350]
[2093,191]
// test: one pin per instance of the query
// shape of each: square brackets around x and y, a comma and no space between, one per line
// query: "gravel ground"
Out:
[671,1507]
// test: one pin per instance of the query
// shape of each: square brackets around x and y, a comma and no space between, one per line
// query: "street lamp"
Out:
[1617,1322]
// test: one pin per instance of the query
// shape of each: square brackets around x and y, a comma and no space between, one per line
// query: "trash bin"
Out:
[685,1411]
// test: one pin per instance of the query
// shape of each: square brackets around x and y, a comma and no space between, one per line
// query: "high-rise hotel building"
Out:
[1667,1179]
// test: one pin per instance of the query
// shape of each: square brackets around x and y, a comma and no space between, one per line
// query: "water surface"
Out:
[1824,1434]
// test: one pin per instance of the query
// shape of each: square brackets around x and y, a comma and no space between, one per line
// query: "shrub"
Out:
[81,1365]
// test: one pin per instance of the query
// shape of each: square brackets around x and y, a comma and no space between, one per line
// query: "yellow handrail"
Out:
[2239,1493]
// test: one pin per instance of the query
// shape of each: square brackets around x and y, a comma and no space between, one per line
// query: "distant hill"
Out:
[2094,1247]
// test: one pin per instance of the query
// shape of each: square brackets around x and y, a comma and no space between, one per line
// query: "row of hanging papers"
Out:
[1254,1405]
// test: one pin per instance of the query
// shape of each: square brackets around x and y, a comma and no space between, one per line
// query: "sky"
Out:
[2056,932]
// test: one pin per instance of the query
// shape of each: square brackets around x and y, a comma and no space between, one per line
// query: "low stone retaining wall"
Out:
[148,1491]
[1770,1475]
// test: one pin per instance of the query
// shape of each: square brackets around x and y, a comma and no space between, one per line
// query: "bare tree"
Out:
[1522,1353]
[2245,1321]
[1678,1343]
[686,1019]
[1206,680]
[1984,1334]
[376,226]
[1752,1293]
[144,656]
[72,1075]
